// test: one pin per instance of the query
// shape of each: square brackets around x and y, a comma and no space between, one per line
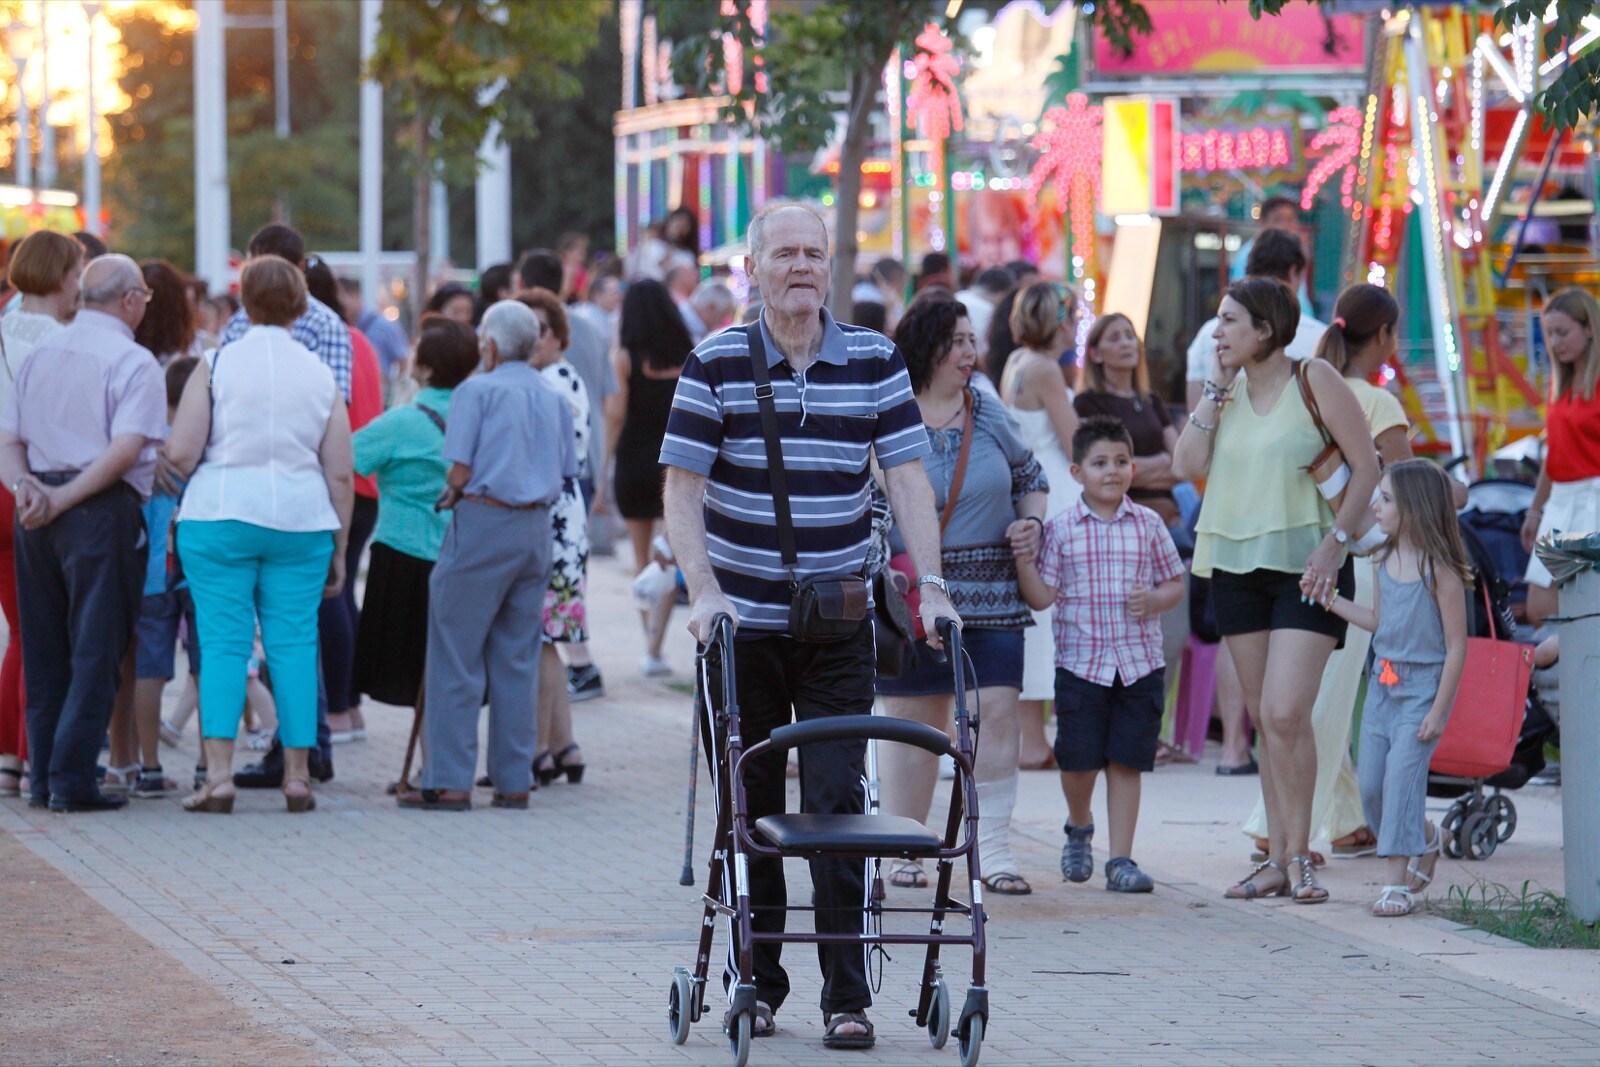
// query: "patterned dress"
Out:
[565,618]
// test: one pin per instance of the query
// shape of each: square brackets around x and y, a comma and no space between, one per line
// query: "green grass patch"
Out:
[1534,917]
[686,688]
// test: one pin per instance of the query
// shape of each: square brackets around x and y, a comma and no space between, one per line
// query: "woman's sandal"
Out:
[1246,888]
[1357,843]
[1010,885]
[121,779]
[1394,902]
[908,875]
[1309,891]
[205,801]
[298,802]
[573,771]
[832,1038]
[1421,871]
[1260,855]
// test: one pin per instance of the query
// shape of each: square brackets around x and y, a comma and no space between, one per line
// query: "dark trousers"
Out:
[337,619]
[780,680]
[78,586]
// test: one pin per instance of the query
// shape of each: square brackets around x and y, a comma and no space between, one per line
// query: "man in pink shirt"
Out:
[78,441]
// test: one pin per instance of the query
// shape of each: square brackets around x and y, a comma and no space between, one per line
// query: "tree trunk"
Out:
[847,209]
[421,219]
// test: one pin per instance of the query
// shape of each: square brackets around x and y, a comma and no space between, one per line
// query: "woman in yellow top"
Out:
[1264,532]
[1362,337]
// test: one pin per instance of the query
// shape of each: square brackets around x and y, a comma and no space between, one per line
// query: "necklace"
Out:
[948,419]
[1128,394]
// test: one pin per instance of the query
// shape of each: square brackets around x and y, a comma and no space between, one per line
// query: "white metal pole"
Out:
[91,157]
[371,159]
[212,213]
[494,196]
[280,64]
[47,132]
[439,224]
[1580,744]
[24,149]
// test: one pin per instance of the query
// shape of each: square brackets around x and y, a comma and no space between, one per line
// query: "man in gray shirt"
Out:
[510,445]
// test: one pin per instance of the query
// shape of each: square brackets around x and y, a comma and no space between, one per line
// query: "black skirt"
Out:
[392,642]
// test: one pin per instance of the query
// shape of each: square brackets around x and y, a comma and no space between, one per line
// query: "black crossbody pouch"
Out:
[823,608]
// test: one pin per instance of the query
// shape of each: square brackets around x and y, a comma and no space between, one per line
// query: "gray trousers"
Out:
[1394,765]
[485,618]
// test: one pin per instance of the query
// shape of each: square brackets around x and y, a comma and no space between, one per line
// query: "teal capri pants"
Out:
[240,573]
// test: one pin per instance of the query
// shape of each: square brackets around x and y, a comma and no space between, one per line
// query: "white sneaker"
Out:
[654,667]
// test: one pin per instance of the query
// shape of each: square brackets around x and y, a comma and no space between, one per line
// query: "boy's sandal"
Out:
[832,1038]
[1421,871]
[1394,902]
[763,1024]
[1010,885]
[908,874]
[1308,891]
[1247,889]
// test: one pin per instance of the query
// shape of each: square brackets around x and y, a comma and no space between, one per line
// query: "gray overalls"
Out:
[1407,658]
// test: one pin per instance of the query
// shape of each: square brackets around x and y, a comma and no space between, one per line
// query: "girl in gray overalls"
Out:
[1419,623]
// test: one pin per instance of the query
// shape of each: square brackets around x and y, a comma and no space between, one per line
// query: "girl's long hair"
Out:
[1360,314]
[1095,371]
[1581,378]
[1427,518]
[651,327]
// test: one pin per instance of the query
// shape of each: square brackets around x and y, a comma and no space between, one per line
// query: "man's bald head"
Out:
[114,284]
[108,277]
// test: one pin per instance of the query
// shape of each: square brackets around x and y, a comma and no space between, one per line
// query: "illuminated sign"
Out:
[1258,147]
[1139,156]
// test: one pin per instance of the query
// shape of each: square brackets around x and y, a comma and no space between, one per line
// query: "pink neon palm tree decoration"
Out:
[1069,157]
[932,100]
[1342,142]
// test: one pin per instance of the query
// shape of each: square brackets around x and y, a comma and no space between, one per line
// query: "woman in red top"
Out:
[1568,497]
[337,619]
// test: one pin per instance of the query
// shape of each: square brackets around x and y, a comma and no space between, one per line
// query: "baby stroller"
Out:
[1482,740]
[807,836]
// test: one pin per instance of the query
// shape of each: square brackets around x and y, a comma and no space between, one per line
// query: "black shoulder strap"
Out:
[769,430]
[433,416]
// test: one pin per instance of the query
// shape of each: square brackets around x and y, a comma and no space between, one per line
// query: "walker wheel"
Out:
[970,1041]
[680,1006]
[1504,813]
[939,1015]
[1479,838]
[1450,828]
[739,1038]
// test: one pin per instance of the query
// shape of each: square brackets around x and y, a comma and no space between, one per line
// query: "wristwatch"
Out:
[1340,536]
[934,580]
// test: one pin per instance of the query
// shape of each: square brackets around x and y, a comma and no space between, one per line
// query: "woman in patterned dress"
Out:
[565,617]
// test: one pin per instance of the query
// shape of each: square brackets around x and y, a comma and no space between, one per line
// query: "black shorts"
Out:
[1100,724]
[1270,600]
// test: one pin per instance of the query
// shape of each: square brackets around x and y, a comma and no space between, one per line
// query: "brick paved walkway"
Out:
[549,936]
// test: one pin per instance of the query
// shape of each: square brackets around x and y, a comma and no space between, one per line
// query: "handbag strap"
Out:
[1310,398]
[433,416]
[783,517]
[961,464]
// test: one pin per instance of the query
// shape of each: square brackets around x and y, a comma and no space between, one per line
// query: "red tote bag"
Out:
[1486,719]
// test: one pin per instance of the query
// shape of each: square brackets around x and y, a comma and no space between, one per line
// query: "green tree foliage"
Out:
[446,64]
[1575,94]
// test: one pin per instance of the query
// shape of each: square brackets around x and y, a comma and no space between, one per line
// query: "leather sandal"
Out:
[203,801]
[1421,871]
[1247,889]
[832,1038]
[1309,890]
[299,803]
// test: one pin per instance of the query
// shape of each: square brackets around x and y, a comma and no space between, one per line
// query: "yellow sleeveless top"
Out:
[1261,509]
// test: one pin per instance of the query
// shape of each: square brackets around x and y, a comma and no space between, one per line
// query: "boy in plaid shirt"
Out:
[1110,568]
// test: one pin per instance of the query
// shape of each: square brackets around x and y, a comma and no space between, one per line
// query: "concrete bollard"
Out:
[1580,743]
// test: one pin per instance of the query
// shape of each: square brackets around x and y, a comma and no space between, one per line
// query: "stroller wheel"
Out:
[971,1041]
[1450,828]
[1504,813]
[939,1015]
[680,1006]
[739,1038]
[1479,837]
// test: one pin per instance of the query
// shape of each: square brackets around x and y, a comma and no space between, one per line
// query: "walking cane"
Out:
[411,745]
[687,877]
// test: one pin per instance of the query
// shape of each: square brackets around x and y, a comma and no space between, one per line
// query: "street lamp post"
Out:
[19,38]
[47,132]
[91,158]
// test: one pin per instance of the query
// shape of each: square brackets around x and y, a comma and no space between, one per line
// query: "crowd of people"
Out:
[246,457]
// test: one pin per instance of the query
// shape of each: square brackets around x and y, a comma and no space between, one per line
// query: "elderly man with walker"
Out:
[749,538]
[510,445]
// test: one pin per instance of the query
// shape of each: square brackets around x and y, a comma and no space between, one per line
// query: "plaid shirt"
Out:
[1093,566]
[319,329]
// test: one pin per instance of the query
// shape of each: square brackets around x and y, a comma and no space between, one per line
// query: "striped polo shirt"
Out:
[854,401]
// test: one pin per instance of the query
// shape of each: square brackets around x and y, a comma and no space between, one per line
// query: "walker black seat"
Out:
[858,728]
[852,835]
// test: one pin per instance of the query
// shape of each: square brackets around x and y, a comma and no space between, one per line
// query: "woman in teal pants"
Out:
[261,533]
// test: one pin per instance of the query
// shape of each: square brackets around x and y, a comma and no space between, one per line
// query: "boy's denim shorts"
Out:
[1101,724]
[156,635]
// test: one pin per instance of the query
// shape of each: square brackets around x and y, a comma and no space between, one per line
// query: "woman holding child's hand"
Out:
[991,493]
